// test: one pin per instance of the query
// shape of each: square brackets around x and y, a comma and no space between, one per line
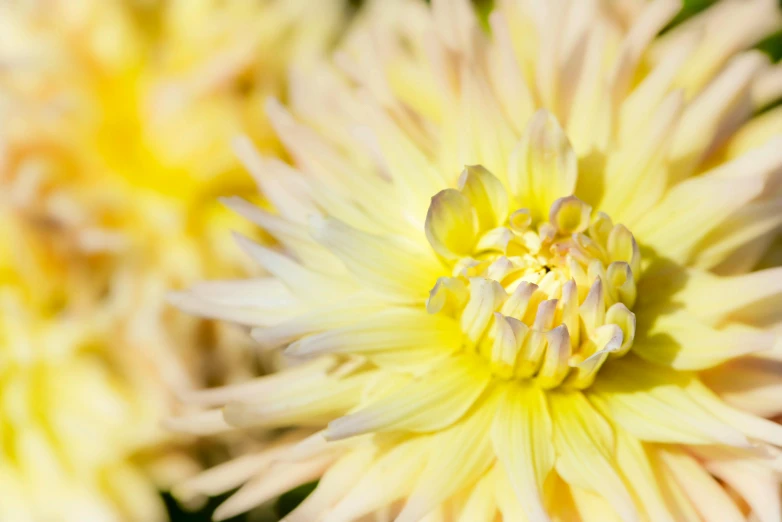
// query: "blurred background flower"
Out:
[114,146]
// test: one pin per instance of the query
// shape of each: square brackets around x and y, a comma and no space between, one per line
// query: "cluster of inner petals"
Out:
[543,300]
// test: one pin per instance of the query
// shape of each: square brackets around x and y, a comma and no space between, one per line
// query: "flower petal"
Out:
[444,475]
[432,402]
[408,335]
[487,195]
[521,433]
[386,264]
[683,342]
[543,166]
[654,404]
[585,451]
[451,224]
[706,494]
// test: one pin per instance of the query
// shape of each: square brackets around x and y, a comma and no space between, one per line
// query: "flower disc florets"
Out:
[548,300]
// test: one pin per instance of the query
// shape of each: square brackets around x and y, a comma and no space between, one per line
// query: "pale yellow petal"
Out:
[634,465]
[390,265]
[707,496]
[311,403]
[543,165]
[487,195]
[451,224]
[443,474]
[480,506]
[750,383]
[333,485]
[680,340]
[585,451]
[759,486]
[522,433]
[388,479]
[399,332]
[654,404]
[430,403]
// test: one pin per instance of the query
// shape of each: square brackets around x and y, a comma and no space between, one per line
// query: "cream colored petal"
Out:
[636,173]
[641,104]
[333,485]
[757,485]
[754,427]
[591,507]
[192,303]
[415,177]
[231,474]
[455,23]
[391,266]
[704,117]
[285,187]
[310,370]
[480,506]
[708,497]
[634,465]
[293,236]
[726,28]
[430,403]
[506,75]
[647,25]
[756,220]
[320,317]
[754,133]
[270,485]
[409,335]
[445,475]
[591,112]
[654,404]
[451,224]
[484,135]
[388,479]
[262,292]
[749,383]
[680,340]
[584,443]
[693,208]
[543,166]
[310,403]
[505,496]
[714,298]
[676,500]
[302,281]
[521,434]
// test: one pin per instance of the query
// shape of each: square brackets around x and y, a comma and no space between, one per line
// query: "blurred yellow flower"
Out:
[568,328]
[117,117]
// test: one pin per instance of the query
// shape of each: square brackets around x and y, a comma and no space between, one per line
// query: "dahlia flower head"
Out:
[115,118]
[514,278]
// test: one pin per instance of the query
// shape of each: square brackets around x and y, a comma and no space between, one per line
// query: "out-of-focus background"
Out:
[116,120]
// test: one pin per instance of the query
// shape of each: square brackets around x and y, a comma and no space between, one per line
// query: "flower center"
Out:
[542,300]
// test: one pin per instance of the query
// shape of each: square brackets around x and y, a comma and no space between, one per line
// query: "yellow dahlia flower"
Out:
[515,272]
[116,116]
